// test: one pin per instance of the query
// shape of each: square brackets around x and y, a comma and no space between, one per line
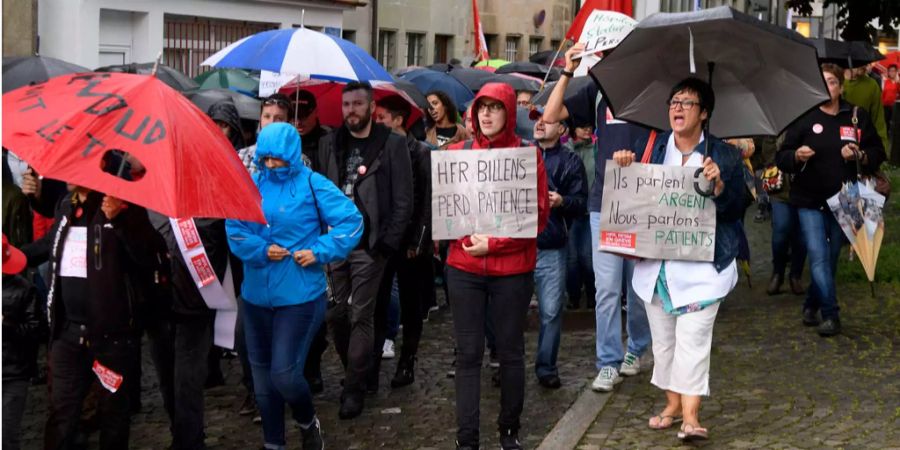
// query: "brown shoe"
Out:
[797,286]
[775,284]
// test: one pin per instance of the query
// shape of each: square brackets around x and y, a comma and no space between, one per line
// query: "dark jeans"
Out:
[506,297]
[787,240]
[356,281]
[579,265]
[824,239]
[278,340]
[71,362]
[180,348]
[240,347]
[15,395]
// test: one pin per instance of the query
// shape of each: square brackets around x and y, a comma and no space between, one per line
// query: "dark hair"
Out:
[359,86]
[449,107]
[396,106]
[835,70]
[279,99]
[892,66]
[702,89]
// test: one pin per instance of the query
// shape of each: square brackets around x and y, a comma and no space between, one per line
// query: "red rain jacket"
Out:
[506,256]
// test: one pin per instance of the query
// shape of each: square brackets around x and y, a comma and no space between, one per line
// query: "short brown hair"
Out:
[835,70]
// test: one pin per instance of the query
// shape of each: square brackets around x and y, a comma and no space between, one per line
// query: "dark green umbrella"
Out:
[248,107]
[25,70]
[234,79]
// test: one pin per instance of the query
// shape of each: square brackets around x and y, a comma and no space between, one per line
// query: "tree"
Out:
[855,16]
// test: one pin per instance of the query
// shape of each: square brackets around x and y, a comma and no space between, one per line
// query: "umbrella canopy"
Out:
[530,69]
[887,60]
[472,78]
[764,76]
[301,51]
[66,127]
[328,98]
[572,89]
[397,72]
[847,54]
[175,79]
[234,79]
[488,69]
[413,92]
[442,67]
[430,80]
[495,63]
[26,70]
[247,107]
[518,82]
[546,58]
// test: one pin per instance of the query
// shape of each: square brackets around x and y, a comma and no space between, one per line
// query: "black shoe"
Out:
[509,440]
[810,317]
[312,436]
[465,447]
[775,284]
[829,327]
[249,406]
[797,286]
[351,406]
[550,381]
[316,385]
[406,373]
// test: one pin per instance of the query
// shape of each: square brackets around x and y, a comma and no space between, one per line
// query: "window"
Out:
[554,44]
[415,49]
[442,45]
[534,45]
[349,35]
[512,48]
[188,40]
[490,40]
[387,49]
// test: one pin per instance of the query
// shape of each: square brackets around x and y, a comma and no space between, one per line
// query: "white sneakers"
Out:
[387,352]
[606,379]
[631,365]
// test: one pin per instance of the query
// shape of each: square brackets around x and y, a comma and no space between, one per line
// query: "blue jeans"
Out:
[786,239]
[549,282]
[278,340]
[579,267]
[824,239]
[610,271]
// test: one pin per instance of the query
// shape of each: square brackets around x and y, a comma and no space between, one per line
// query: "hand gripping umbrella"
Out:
[65,129]
[764,76]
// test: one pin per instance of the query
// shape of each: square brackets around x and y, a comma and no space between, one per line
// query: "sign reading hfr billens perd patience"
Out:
[657,212]
[492,192]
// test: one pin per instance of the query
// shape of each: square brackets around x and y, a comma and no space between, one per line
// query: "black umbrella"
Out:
[572,89]
[443,67]
[26,70]
[247,107]
[414,93]
[847,54]
[175,79]
[545,57]
[473,79]
[517,83]
[530,69]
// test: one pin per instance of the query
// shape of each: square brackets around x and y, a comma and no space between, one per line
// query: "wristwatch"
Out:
[566,73]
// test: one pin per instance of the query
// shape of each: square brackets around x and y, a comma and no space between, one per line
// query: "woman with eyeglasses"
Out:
[683,297]
[443,127]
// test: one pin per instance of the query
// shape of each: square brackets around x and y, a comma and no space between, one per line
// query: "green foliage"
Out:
[855,16]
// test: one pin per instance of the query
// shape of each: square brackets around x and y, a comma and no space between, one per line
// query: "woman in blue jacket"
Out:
[310,223]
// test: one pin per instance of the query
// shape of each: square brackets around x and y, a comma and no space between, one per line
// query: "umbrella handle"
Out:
[709,191]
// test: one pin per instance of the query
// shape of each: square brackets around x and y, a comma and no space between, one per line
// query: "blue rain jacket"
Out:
[293,223]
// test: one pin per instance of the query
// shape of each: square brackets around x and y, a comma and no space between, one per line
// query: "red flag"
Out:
[622,6]
[481,50]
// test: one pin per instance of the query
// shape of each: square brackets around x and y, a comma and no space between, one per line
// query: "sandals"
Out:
[691,433]
[661,422]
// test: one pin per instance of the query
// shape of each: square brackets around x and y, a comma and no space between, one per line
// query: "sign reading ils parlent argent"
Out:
[491,192]
[654,211]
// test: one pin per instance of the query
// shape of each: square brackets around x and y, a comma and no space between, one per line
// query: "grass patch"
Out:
[888,268]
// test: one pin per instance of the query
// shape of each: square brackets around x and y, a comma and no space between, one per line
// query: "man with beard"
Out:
[371,165]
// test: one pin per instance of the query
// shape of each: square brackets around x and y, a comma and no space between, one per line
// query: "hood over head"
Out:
[505,94]
[282,141]
[225,111]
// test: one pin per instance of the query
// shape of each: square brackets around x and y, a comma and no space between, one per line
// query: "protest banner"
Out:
[491,192]
[604,30]
[654,211]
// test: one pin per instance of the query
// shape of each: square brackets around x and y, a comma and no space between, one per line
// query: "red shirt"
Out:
[889,92]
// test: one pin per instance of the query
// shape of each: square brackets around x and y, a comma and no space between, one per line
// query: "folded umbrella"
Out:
[858,210]
[65,129]
[328,98]
[175,79]
[429,80]
[247,107]
[239,80]
[25,70]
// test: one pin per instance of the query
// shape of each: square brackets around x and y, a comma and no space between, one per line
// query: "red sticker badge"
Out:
[204,270]
[189,233]
[847,134]
[108,378]
[613,239]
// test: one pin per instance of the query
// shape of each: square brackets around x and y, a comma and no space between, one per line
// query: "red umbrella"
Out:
[328,98]
[65,127]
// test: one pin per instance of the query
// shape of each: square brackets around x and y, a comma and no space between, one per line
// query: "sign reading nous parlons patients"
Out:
[491,192]
[654,211]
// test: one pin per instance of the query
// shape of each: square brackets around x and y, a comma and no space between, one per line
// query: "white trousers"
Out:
[681,347]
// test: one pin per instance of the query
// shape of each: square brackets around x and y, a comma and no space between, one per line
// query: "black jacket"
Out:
[310,145]
[567,177]
[384,193]
[821,177]
[225,111]
[418,234]
[122,262]
[23,328]
[186,298]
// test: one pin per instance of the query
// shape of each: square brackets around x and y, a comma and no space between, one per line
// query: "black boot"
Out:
[509,439]
[775,284]
[810,317]
[351,405]
[829,327]
[406,372]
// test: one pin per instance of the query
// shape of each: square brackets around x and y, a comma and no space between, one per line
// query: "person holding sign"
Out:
[683,297]
[309,223]
[821,150]
[493,275]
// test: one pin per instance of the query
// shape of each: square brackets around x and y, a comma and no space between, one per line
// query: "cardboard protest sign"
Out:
[491,192]
[654,211]
[604,30]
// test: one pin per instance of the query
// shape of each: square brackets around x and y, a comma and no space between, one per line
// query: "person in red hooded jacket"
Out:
[493,276]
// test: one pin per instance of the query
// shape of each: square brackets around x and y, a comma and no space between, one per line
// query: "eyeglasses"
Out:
[684,104]
[490,107]
[275,101]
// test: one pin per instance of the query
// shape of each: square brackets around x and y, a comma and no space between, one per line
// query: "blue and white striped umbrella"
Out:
[301,51]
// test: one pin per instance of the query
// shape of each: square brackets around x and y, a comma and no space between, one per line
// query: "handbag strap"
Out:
[648,150]
[855,122]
